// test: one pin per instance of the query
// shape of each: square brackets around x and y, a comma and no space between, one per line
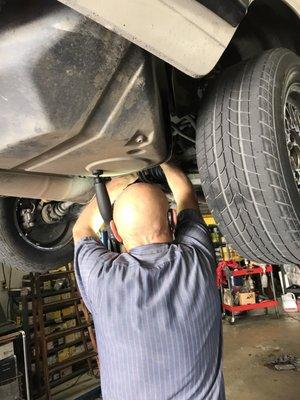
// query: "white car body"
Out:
[183,33]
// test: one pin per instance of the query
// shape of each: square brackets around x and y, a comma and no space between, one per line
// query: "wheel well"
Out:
[268,24]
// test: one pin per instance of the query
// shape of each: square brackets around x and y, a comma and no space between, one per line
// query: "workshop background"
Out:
[58,358]
[94,89]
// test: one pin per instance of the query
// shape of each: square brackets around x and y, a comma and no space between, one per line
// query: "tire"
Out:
[246,170]
[18,253]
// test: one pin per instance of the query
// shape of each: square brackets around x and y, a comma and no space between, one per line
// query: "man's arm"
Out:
[90,254]
[181,187]
[90,220]
[191,229]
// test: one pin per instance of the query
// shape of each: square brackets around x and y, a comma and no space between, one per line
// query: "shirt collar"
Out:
[153,248]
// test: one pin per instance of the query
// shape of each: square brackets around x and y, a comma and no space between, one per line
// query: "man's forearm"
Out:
[181,187]
[87,221]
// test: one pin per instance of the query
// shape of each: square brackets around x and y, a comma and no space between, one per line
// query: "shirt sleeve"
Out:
[194,233]
[90,257]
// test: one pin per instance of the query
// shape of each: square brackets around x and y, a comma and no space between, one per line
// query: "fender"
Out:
[191,35]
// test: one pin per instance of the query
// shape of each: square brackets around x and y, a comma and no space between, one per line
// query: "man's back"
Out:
[157,316]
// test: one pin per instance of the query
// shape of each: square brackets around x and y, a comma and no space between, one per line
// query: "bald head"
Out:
[141,215]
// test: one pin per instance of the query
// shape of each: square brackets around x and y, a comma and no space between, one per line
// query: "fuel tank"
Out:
[75,96]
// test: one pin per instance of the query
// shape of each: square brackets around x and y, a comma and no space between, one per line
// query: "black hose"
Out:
[154,175]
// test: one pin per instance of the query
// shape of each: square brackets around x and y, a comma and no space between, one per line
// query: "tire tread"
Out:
[234,169]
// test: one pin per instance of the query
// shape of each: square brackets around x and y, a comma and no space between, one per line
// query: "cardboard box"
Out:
[52,359]
[52,299]
[47,285]
[66,296]
[53,315]
[50,345]
[68,311]
[70,338]
[246,298]
[72,351]
[79,349]
[6,350]
[71,323]
[56,376]
[66,371]
[227,298]
[47,330]
[60,341]
[63,355]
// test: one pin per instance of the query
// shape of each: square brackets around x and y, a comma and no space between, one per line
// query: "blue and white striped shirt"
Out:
[157,317]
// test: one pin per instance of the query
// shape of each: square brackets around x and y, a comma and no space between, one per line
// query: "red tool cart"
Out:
[227,271]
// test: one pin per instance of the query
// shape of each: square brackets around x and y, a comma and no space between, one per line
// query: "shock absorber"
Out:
[102,197]
[105,208]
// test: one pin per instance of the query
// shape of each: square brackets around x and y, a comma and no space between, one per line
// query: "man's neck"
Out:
[142,241]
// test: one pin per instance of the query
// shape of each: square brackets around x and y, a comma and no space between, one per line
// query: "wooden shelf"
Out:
[70,361]
[54,304]
[50,322]
[64,346]
[53,292]
[45,293]
[55,275]
[65,332]
[79,319]
[66,378]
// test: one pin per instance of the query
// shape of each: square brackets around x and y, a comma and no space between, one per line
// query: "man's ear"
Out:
[174,216]
[115,231]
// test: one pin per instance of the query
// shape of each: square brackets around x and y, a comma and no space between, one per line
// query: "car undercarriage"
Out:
[78,97]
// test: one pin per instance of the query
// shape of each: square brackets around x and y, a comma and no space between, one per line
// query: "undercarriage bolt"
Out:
[139,139]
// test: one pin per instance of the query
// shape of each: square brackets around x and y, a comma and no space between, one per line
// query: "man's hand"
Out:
[90,220]
[181,187]
[116,186]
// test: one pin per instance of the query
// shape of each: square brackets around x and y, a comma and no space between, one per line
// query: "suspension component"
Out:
[153,175]
[102,196]
[54,212]
[27,216]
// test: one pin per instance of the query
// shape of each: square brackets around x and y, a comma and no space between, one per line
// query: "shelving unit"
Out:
[230,270]
[222,250]
[14,380]
[62,342]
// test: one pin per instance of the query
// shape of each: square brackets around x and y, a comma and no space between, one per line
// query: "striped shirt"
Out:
[157,317]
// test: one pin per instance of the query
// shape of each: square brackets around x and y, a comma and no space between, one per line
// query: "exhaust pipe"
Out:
[39,186]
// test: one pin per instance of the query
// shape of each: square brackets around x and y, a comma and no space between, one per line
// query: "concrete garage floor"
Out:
[248,345]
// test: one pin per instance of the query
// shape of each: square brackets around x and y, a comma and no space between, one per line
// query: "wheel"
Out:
[248,154]
[232,320]
[29,243]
